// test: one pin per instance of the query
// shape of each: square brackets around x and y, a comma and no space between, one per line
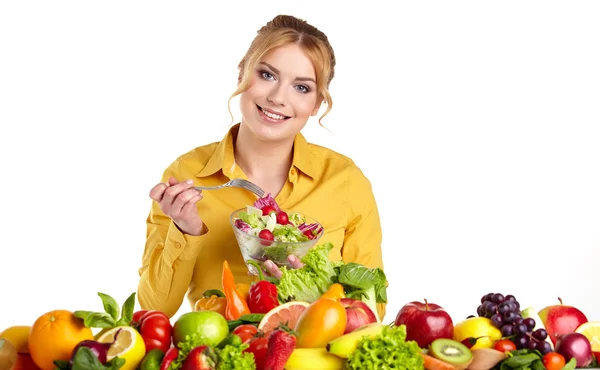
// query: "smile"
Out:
[271,117]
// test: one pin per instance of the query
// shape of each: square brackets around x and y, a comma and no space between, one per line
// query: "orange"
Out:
[591,330]
[287,313]
[54,335]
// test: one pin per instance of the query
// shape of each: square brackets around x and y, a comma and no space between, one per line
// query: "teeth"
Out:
[271,115]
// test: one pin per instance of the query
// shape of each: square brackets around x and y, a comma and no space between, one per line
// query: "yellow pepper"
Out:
[212,301]
[335,291]
[243,289]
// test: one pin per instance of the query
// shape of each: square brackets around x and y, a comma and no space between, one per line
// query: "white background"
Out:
[478,124]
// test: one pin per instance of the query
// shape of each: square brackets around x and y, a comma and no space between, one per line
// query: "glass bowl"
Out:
[260,250]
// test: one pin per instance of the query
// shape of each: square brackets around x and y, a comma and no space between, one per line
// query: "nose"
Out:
[277,94]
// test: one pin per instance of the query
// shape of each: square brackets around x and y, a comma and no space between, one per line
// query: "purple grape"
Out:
[520,329]
[512,305]
[497,298]
[497,320]
[503,307]
[488,297]
[532,344]
[540,334]
[510,297]
[518,306]
[510,317]
[519,320]
[507,330]
[530,323]
[491,309]
[521,341]
[483,299]
[544,347]
[480,310]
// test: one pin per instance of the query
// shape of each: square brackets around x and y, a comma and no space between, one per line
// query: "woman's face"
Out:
[282,94]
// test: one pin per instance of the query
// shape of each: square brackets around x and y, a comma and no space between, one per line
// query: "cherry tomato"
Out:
[266,210]
[155,328]
[553,361]
[282,218]
[259,346]
[505,345]
[246,332]
[321,322]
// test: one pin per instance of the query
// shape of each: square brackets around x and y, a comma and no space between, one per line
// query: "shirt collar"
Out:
[223,156]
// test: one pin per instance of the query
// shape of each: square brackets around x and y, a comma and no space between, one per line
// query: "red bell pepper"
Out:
[262,296]
[155,328]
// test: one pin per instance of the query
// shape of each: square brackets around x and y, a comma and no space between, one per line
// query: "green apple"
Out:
[210,327]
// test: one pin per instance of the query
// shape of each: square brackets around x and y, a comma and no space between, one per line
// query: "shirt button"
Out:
[293,171]
[177,245]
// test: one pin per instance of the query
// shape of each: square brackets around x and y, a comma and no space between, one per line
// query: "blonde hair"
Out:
[284,30]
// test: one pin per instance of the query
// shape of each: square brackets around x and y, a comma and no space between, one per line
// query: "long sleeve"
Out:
[363,236]
[168,260]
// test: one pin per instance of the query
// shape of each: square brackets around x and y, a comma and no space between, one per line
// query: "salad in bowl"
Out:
[266,232]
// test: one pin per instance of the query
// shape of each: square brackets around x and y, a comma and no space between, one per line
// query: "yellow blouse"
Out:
[321,183]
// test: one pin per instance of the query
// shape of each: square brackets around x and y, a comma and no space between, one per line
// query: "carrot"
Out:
[432,363]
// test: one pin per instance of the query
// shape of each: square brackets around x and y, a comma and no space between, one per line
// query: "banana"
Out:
[346,344]
[314,358]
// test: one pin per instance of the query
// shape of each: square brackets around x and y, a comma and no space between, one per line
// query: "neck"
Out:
[258,158]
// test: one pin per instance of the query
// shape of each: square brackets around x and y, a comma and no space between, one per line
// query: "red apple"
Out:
[425,322]
[358,314]
[200,358]
[561,319]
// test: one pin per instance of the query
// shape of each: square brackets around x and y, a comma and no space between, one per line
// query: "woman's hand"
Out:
[274,271]
[178,201]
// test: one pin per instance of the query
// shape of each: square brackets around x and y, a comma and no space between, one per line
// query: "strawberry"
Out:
[282,342]
[200,358]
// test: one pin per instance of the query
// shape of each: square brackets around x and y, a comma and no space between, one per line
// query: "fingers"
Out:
[272,269]
[173,192]
[190,206]
[295,261]
[157,192]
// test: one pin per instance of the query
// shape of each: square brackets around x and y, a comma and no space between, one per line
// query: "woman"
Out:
[283,80]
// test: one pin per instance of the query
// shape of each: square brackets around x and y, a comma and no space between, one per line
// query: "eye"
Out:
[302,88]
[266,75]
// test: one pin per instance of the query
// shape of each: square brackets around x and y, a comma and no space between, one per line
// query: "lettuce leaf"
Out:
[389,350]
[309,282]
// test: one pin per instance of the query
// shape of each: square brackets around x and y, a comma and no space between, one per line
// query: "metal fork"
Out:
[237,183]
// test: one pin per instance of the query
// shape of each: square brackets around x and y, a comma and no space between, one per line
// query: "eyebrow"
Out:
[297,78]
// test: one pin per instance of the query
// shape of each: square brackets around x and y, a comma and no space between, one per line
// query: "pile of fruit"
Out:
[251,327]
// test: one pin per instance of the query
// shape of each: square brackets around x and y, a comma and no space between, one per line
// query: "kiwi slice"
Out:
[452,352]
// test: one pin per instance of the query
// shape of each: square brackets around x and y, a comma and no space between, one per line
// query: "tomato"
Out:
[553,361]
[321,322]
[155,327]
[505,345]
[268,210]
[259,346]
[138,315]
[245,332]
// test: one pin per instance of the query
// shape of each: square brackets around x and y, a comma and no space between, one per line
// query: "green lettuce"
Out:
[310,281]
[389,350]
[363,283]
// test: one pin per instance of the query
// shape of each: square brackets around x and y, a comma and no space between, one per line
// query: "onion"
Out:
[575,345]
[100,350]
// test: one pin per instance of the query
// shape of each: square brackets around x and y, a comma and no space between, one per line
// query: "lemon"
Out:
[128,346]
[477,327]
[19,336]
[591,330]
